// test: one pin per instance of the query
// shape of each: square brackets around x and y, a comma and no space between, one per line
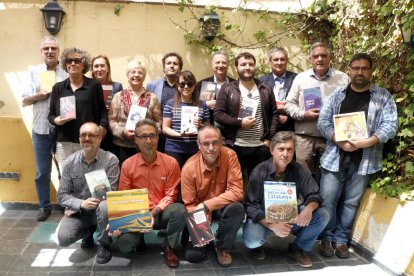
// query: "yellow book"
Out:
[47,80]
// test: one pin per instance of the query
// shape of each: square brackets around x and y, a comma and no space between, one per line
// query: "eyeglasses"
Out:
[207,144]
[75,60]
[90,135]
[50,49]
[363,69]
[188,84]
[144,137]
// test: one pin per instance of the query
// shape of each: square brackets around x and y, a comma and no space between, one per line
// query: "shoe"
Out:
[300,256]
[342,250]
[103,255]
[171,258]
[88,241]
[223,257]
[43,214]
[326,249]
[257,253]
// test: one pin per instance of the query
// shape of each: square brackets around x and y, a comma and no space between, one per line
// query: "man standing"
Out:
[248,136]
[281,81]
[42,142]
[160,174]
[212,180]
[311,219]
[84,212]
[322,80]
[348,165]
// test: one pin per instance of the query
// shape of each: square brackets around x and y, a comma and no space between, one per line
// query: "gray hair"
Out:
[282,137]
[319,44]
[278,49]
[146,122]
[220,53]
[85,57]
[49,37]
[135,63]
[203,128]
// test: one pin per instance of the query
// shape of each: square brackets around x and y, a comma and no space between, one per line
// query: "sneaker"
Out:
[103,255]
[300,256]
[257,253]
[171,258]
[223,257]
[43,214]
[326,249]
[342,250]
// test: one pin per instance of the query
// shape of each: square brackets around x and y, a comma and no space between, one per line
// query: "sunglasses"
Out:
[184,84]
[75,60]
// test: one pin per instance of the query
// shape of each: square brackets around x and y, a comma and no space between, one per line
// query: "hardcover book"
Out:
[199,227]
[98,184]
[312,98]
[248,108]
[208,91]
[47,80]
[68,107]
[281,204]
[349,126]
[128,210]
[136,114]
[188,116]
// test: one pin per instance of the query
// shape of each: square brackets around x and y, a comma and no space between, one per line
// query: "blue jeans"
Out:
[341,192]
[42,146]
[255,234]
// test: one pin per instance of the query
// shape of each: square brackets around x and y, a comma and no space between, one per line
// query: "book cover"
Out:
[208,91]
[98,184]
[199,227]
[281,204]
[248,108]
[350,126]
[136,114]
[47,80]
[128,210]
[312,98]
[68,107]
[188,116]
[107,94]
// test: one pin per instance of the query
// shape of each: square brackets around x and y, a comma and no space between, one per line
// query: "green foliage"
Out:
[117,9]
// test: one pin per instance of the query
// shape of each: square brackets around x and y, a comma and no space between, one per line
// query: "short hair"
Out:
[205,127]
[85,57]
[108,78]
[278,49]
[146,122]
[245,55]
[220,53]
[91,123]
[49,37]
[188,76]
[173,54]
[136,63]
[363,56]
[282,137]
[319,44]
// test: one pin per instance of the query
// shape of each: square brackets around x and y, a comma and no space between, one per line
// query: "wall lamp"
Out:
[407,35]
[210,23]
[52,15]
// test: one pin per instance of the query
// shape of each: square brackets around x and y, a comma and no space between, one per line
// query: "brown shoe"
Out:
[326,249]
[300,256]
[223,257]
[171,258]
[342,250]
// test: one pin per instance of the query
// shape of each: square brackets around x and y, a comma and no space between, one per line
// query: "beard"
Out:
[360,83]
[243,76]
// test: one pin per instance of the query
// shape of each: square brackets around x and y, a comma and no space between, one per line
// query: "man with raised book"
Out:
[348,164]
[160,174]
[82,211]
[311,219]
[212,180]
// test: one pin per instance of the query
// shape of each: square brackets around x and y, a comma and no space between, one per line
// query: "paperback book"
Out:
[68,108]
[208,91]
[107,94]
[188,116]
[136,114]
[199,227]
[47,80]
[312,98]
[248,108]
[349,126]
[281,204]
[98,184]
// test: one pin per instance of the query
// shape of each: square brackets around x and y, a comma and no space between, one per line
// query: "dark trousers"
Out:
[250,157]
[123,153]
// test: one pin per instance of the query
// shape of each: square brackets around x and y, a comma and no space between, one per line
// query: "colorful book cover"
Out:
[281,204]
[349,126]
[188,116]
[98,184]
[68,107]
[312,98]
[47,80]
[136,114]
[199,227]
[107,94]
[208,91]
[248,108]
[128,210]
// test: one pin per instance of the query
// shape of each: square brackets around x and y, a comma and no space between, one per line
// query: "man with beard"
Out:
[348,165]
[83,212]
[249,136]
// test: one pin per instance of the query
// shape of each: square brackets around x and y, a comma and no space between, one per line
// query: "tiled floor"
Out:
[27,248]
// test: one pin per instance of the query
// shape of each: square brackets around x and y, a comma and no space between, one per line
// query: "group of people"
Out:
[222,166]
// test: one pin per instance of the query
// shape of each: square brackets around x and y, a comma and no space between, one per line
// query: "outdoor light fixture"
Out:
[407,35]
[210,23]
[52,15]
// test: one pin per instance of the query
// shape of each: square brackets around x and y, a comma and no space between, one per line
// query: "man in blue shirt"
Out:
[347,165]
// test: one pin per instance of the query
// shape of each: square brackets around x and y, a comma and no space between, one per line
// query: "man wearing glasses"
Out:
[212,180]
[38,96]
[347,165]
[83,212]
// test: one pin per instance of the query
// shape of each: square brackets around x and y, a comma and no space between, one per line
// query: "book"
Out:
[199,227]
[98,184]
[312,98]
[68,108]
[248,108]
[107,94]
[128,210]
[281,204]
[349,126]
[136,114]
[47,80]
[208,91]
[188,116]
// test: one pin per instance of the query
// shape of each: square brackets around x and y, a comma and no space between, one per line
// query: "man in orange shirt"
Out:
[212,179]
[160,174]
